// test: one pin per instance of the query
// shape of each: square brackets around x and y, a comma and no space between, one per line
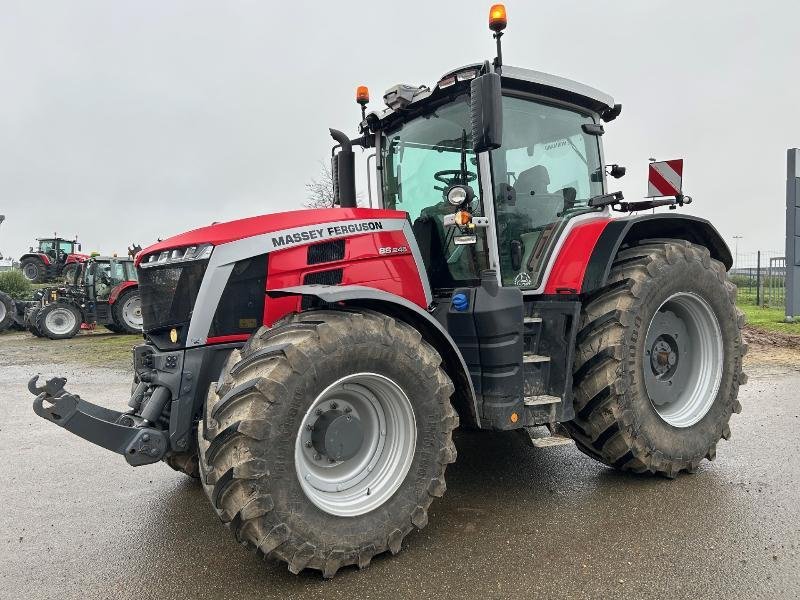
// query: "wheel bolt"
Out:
[333,405]
[318,412]
[308,444]
[348,409]
[317,456]
[331,460]
[310,427]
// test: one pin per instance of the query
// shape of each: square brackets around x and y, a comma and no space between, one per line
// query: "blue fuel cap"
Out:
[460,302]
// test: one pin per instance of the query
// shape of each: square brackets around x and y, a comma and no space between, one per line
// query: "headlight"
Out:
[188,253]
[459,194]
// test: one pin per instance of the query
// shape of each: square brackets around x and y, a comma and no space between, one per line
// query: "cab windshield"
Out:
[421,160]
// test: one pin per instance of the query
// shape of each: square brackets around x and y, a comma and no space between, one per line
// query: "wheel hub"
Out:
[337,435]
[664,356]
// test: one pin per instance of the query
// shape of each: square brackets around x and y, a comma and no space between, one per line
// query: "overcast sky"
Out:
[128,121]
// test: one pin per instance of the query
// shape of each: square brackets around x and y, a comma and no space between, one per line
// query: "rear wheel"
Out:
[33,269]
[659,361]
[127,311]
[58,321]
[7,310]
[327,438]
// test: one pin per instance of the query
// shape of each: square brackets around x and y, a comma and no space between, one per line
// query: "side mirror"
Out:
[616,171]
[486,112]
[516,255]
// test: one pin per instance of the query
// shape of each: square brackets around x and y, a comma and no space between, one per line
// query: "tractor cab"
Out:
[102,274]
[475,207]
[57,248]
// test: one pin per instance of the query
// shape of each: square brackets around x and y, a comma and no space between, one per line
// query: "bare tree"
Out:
[319,192]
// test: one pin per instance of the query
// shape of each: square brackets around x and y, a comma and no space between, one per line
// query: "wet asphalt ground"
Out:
[77,522]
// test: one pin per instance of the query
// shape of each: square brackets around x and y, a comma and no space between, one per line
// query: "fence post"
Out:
[758,279]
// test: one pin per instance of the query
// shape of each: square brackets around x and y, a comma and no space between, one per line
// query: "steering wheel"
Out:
[446,177]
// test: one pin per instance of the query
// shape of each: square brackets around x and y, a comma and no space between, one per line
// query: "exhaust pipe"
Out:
[343,171]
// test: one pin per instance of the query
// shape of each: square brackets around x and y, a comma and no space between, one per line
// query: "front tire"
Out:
[658,363]
[280,416]
[58,321]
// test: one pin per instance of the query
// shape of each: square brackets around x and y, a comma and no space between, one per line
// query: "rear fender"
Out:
[40,255]
[464,399]
[125,285]
[659,226]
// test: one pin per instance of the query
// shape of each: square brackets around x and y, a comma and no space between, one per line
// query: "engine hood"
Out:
[222,233]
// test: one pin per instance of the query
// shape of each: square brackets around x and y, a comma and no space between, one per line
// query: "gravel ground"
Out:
[77,522]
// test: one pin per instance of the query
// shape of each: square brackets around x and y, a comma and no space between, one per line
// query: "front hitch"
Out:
[119,432]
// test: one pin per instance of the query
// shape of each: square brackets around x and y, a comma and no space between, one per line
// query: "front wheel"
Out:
[327,438]
[659,361]
[58,321]
[7,311]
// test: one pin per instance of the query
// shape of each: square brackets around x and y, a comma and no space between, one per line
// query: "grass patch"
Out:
[768,319]
[90,349]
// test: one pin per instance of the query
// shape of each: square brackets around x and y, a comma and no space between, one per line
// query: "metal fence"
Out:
[760,277]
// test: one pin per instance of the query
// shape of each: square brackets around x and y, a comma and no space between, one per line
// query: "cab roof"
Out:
[530,80]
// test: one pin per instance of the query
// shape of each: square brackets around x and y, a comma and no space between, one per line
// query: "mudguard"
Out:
[648,227]
[396,306]
[119,288]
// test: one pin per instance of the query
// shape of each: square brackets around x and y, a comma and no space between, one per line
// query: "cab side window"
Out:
[545,173]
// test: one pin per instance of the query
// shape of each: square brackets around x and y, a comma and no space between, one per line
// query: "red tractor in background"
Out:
[104,291]
[53,258]
[310,367]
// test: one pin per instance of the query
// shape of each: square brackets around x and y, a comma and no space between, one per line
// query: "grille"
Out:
[326,252]
[332,277]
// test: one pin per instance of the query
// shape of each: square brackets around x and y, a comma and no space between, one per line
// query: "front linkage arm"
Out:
[112,430]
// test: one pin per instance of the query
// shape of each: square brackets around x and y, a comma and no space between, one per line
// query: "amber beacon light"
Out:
[497,17]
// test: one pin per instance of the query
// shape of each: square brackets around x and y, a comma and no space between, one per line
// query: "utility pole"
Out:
[736,239]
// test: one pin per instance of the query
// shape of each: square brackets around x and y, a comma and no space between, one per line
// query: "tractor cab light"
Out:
[462,218]
[497,17]
[362,95]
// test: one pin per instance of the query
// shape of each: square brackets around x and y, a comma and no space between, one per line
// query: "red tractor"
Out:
[53,258]
[104,291]
[310,367]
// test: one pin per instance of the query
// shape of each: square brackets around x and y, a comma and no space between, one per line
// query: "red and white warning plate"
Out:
[665,178]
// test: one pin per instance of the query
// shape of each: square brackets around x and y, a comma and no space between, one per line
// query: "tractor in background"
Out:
[52,258]
[103,291]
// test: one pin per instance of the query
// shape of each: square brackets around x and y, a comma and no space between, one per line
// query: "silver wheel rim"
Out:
[3,312]
[30,271]
[683,359]
[60,321]
[367,479]
[132,312]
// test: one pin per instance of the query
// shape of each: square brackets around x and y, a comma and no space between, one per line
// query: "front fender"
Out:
[464,398]
[41,256]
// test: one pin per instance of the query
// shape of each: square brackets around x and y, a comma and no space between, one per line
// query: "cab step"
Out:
[534,358]
[541,400]
[553,440]
[532,320]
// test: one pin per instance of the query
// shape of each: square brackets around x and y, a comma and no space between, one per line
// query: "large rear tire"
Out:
[127,311]
[33,269]
[659,361]
[327,438]
[58,321]
[7,311]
